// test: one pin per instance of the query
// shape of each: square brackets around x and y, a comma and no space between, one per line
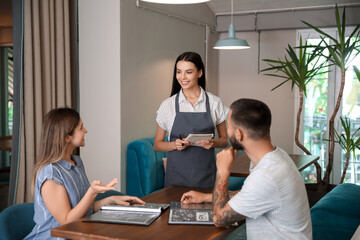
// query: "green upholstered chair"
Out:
[16,221]
[337,214]
[145,170]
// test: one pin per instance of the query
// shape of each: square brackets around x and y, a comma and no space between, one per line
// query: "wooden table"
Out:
[241,164]
[6,143]
[159,229]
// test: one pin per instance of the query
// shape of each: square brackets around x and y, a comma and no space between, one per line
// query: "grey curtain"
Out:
[47,81]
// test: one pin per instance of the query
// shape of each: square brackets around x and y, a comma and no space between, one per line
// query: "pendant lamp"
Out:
[231,42]
[176,1]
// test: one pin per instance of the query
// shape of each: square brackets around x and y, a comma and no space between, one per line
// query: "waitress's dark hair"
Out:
[195,59]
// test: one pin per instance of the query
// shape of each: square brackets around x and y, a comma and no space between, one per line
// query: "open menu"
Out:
[193,213]
[133,214]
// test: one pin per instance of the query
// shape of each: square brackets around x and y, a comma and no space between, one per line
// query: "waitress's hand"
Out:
[180,144]
[207,144]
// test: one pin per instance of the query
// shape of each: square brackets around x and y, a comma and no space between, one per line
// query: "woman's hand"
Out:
[96,186]
[180,144]
[119,200]
[207,144]
[125,200]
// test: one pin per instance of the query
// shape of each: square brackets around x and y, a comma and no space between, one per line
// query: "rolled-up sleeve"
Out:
[162,116]
[221,112]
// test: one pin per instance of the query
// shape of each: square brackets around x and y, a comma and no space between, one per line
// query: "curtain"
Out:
[47,80]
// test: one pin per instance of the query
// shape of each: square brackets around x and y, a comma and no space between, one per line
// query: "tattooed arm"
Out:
[223,214]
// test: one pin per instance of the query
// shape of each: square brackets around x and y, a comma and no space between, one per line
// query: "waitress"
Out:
[190,109]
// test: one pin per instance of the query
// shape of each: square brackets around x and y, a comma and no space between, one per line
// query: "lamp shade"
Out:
[231,42]
[176,1]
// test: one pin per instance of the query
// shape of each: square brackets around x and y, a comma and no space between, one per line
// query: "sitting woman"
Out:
[63,193]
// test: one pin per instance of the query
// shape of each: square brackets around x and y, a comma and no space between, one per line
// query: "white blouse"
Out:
[166,113]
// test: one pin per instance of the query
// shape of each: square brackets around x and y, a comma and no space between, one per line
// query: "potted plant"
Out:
[341,53]
[299,70]
[349,141]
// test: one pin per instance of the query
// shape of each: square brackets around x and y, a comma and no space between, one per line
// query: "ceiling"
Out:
[224,6]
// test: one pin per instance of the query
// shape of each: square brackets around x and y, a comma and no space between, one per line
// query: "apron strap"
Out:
[207,103]
[177,103]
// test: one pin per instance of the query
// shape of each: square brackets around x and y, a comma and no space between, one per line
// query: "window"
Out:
[10,65]
[319,103]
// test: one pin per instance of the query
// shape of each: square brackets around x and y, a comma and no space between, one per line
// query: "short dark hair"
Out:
[253,115]
[197,61]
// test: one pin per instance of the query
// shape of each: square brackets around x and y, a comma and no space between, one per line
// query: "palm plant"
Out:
[348,141]
[299,70]
[341,52]
[357,72]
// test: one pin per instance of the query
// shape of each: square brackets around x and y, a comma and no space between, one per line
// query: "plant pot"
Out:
[314,195]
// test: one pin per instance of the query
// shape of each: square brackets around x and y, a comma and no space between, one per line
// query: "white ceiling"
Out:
[224,6]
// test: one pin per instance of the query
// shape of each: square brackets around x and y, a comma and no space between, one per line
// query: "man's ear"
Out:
[239,134]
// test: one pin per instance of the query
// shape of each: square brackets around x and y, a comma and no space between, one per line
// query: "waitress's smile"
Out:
[184,83]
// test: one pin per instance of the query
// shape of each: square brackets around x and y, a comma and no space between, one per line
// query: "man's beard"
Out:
[236,145]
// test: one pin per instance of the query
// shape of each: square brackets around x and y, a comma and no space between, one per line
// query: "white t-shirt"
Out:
[166,113]
[274,200]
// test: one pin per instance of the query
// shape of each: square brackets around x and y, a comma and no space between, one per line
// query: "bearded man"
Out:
[273,199]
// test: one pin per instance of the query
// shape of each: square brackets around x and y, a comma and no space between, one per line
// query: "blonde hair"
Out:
[57,125]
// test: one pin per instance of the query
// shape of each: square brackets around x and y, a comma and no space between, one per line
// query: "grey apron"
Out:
[193,166]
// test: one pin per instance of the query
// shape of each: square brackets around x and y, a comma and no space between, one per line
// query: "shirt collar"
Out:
[66,164]
[201,97]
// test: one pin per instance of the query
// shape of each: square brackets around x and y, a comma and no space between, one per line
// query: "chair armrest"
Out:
[133,180]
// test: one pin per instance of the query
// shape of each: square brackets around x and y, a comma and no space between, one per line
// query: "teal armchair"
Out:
[145,170]
[16,221]
[337,214]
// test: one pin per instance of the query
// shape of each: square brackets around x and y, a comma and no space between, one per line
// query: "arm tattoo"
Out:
[228,217]
[224,217]
[220,194]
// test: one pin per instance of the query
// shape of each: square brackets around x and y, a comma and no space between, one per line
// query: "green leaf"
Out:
[319,31]
[357,72]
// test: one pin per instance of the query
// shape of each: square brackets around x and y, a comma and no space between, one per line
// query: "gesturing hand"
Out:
[96,186]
